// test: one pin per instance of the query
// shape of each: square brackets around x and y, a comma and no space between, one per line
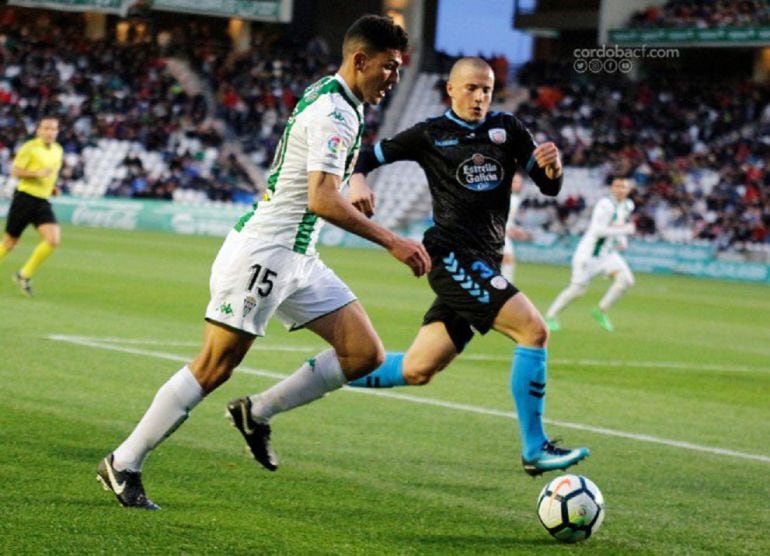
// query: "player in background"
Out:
[37,165]
[598,252]
[469,156]
[268,265]
[512,230]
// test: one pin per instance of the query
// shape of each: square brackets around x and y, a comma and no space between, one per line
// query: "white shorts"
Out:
[585,268]
[252,279]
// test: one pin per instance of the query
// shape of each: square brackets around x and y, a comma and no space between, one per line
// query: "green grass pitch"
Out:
[674,406]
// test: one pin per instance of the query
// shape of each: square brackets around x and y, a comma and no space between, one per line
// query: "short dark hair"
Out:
[49,117]
[375,33]
[612,177]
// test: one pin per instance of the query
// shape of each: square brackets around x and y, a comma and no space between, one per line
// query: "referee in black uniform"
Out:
[469,156]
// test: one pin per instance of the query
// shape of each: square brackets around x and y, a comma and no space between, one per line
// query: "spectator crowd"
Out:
[699,151]
[703,14]
[125,92]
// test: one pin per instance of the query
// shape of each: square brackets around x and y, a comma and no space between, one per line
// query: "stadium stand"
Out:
[703,14]
[198,122]
[698,150]
[401,189]
[189,123]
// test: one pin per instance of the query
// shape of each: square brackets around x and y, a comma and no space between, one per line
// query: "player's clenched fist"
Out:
[547,157]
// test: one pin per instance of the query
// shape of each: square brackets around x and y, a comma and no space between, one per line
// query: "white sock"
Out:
[169,409]
[615,292]
[311,381]
[568,294]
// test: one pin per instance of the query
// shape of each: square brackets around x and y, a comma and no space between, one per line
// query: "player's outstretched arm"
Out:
[325,200]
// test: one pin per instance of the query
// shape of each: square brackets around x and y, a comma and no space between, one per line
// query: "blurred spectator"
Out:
[703,14]
[699,151]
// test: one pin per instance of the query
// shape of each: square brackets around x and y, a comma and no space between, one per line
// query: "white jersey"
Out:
[609,227]
[322,134]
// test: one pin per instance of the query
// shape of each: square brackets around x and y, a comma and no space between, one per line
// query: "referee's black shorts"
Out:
[27,209]
[470,293]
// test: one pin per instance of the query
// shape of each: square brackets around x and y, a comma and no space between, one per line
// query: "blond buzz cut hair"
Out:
[471,62]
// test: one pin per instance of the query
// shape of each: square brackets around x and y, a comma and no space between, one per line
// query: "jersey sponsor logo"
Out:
[480,173]
[445,142]
[333,144]
[498,135]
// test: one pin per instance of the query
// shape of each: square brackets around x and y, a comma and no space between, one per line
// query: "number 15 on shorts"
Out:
[261,280]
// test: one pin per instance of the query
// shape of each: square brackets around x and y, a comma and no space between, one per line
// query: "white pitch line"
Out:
[259,346]
[565,424]
[94,343]
[183,343]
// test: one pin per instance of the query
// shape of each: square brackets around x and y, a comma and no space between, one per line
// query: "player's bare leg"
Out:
[565,297]
[622,280]
[50,236]
[431,351]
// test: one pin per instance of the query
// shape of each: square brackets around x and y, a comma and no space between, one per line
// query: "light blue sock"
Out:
[386,375]
[528,389]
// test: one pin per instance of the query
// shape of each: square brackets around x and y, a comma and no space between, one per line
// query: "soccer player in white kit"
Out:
[598,253]
[268,265]
[513,231]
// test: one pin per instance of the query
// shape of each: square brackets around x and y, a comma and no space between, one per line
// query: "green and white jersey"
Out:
[610,224]
[322,134]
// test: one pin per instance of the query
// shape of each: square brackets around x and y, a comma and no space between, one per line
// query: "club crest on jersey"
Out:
[497,135]
[499,282]
[480,173]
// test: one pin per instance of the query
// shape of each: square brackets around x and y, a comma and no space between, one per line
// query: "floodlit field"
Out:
[674,406]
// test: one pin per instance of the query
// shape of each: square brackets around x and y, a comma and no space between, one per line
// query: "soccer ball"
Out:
[571,508]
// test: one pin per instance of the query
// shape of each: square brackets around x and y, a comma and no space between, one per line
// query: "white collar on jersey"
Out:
[353,98]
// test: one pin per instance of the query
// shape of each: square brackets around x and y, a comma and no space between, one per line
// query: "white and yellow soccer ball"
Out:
[571,508]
